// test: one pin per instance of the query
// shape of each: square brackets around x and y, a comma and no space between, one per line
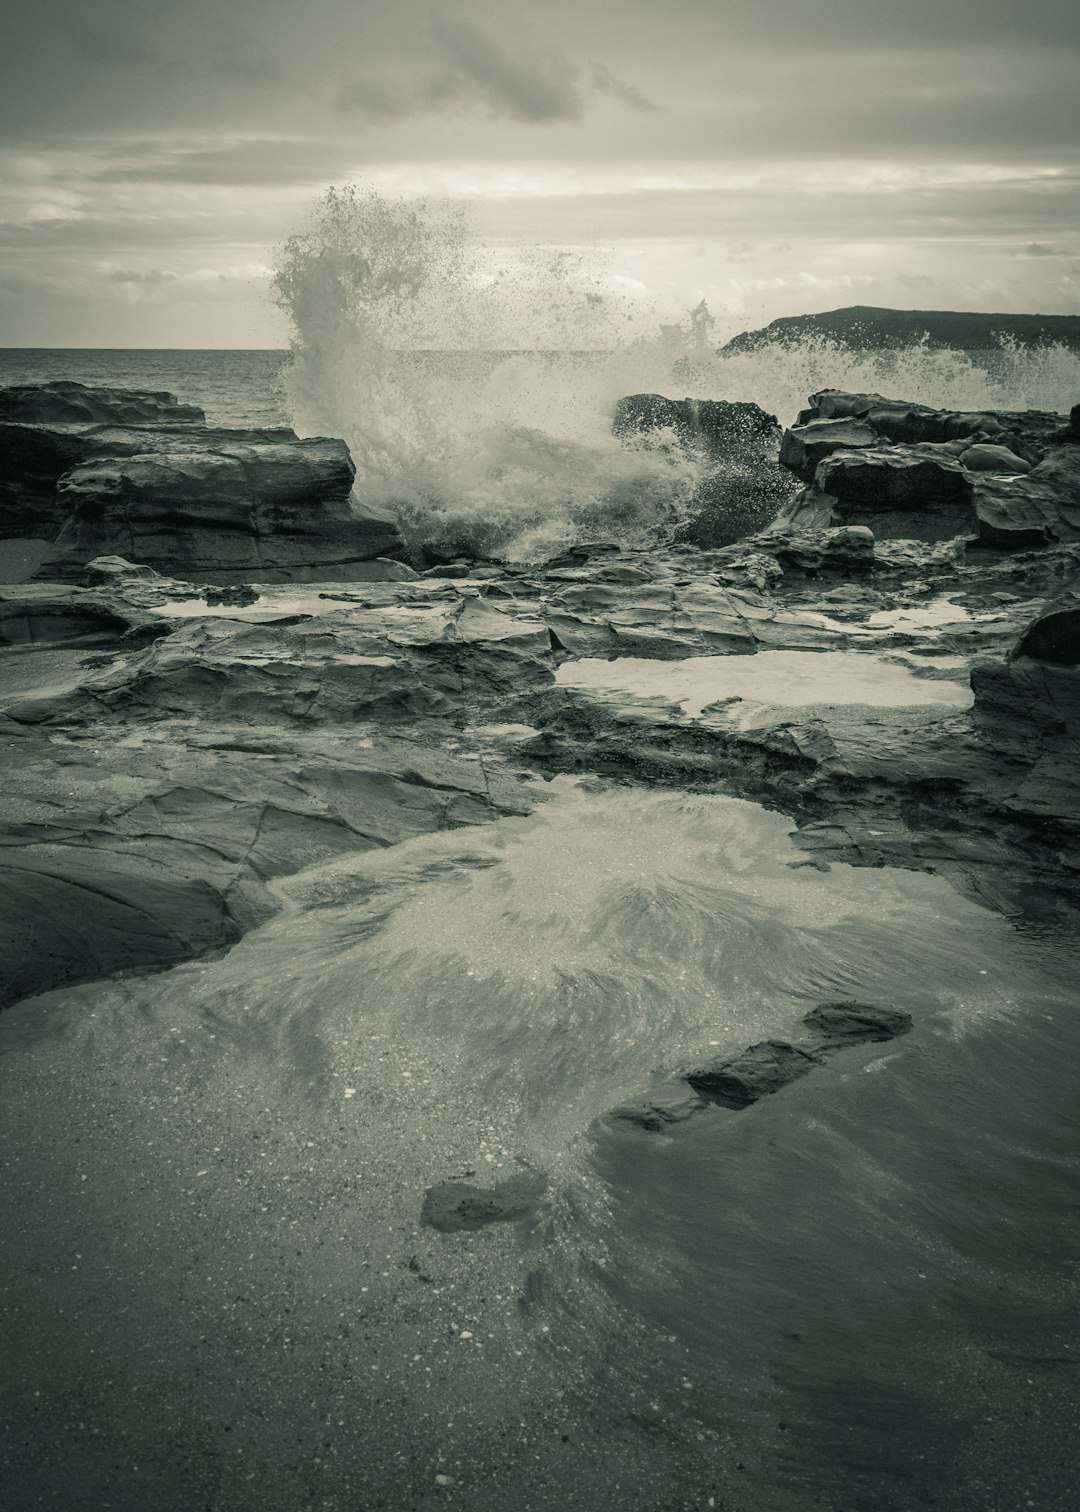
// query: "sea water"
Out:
[855,1294]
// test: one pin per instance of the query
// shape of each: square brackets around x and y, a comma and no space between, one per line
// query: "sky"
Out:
[768,156]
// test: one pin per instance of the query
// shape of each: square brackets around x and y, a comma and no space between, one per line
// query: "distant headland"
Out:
[866,328]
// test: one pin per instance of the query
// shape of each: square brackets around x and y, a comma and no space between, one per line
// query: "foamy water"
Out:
[509,452]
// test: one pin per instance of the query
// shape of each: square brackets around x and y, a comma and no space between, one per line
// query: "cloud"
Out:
[619,89]
[152,276]
[1039,249]
[526,83]
[113,46]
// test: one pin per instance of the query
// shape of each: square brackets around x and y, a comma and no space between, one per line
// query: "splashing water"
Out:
[476,386]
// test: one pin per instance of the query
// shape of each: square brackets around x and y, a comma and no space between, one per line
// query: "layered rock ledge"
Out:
[173,745]
[90,472]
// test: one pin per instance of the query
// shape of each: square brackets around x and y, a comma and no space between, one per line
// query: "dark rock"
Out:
[45,622]
[660,1110]
[804,446]
[451,1206]
[1054,635]
[262,511]
[742,485]
[841,1025]
[902,422]
[72,915]
[894,478]
[984,457]
[717,425]
[754,1073]
[1024,512]
[63,402]
[119,473]
[845,550]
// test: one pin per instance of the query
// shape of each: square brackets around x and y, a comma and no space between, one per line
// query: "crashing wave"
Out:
[476,386]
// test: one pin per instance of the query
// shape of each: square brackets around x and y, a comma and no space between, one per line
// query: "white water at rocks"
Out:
[476,386]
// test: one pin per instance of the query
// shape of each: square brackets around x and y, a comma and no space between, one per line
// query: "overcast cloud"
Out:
[768,155]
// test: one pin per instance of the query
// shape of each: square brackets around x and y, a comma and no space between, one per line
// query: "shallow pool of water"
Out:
[217,1176]
[771,679]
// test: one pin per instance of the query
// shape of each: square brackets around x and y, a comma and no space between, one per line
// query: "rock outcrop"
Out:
[735,446]
[64,402]
[1008,481]
[98,472]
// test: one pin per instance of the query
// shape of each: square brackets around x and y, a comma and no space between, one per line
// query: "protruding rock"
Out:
[717,424]
[64,402]
[1023,512]
[842,550]
[741,484]
[804,446]
[842,1025]
[754,1073]
[1054,636]
[984,457]
[262,511]
[893,478]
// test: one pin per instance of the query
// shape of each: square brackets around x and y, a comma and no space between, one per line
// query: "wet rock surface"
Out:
[96,472]
[735,449]
[174,743]
[1004,480]
[736,1082]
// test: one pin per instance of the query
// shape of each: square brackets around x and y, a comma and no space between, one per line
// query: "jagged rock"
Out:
[263,511]
[755,1073]
[1054,635]
[64,402]
[33,458]
[898,492]
[740,1080]
[804,446]
[841,1025]
[117,472]
[894,478]
[716,424]
[1026,432]
[1022,512]
[843,550]
[743,485]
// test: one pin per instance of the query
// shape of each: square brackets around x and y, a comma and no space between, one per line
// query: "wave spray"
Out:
[475,385]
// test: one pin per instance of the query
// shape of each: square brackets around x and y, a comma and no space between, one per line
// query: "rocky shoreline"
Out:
[220,670]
